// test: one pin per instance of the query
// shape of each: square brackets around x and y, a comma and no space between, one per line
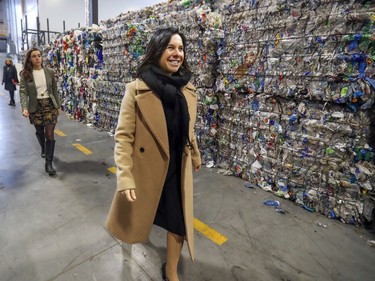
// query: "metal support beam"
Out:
[38,31]
[93,12]
[27,37]
[39,34]
[48,31]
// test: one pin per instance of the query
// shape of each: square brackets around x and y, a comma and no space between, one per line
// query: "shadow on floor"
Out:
[85,167]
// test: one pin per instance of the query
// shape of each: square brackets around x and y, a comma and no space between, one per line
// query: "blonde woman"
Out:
[10,79]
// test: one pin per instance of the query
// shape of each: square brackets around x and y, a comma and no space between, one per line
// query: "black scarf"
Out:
[168,88]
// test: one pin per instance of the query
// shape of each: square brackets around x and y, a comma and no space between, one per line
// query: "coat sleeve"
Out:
[195,154]
[124,140]
[15,75]
[23,94]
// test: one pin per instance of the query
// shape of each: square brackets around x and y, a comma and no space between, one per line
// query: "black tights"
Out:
[11,94]
[47,131]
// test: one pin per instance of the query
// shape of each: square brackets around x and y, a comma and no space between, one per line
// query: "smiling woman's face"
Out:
[173,56]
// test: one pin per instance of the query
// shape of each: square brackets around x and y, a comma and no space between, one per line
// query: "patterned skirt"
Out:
[45,114]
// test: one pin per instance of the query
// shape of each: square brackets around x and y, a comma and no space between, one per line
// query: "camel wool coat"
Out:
[142,158]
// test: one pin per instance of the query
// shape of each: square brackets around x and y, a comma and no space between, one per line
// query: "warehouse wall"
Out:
[284,89]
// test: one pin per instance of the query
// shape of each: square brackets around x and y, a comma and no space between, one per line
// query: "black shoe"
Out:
[163,274]
[49,169]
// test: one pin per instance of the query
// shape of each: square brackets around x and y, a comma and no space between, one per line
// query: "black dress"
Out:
[169,214]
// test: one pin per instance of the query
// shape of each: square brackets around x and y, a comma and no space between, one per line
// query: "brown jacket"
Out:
[142,157]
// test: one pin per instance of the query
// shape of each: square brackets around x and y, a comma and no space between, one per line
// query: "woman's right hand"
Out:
[25,113]
[129,194]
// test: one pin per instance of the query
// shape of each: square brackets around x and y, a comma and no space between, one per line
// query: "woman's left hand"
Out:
[25,113]
[196,169]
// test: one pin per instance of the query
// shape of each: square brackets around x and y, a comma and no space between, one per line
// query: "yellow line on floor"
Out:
[59,133]
[82,148]
[203,228]
[209,232]
[112,170]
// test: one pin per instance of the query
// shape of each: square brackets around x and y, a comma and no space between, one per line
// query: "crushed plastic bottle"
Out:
[331,214]
[249,184]
[271,203]
[307,208]
[279,210]
[321,224]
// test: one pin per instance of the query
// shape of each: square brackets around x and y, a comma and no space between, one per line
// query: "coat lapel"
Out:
[48,80]
[152,111]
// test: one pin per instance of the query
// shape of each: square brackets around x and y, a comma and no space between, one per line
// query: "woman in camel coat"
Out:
[156,151]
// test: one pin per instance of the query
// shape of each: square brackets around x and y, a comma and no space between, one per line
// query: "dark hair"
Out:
[157,45]
[27,71]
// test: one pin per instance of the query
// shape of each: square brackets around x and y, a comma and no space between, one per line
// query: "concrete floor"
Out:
[52,228]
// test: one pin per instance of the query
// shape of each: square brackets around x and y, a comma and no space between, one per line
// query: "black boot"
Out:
[42,142]
[12,102]
[50,149]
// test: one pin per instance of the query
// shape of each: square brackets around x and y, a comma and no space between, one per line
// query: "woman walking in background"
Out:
[156,151]
[40,102]
[10,79]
